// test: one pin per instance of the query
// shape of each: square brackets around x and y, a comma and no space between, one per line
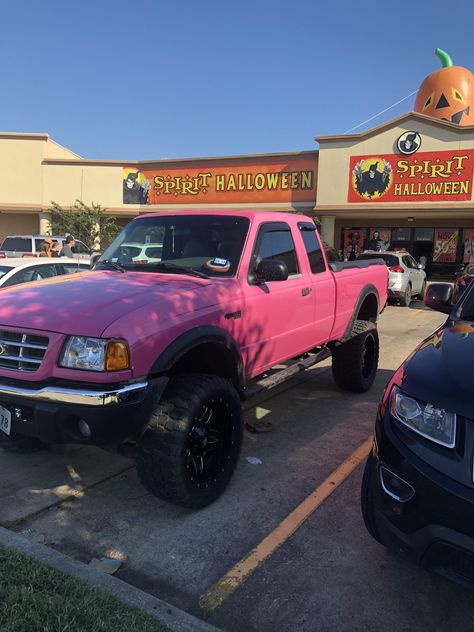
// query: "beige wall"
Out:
[18,224]
[334,157]
[21,176]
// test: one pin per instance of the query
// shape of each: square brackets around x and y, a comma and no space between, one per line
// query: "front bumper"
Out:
[435,528]
[52,413]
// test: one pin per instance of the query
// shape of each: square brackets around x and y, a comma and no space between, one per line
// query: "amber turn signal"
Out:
[117,357]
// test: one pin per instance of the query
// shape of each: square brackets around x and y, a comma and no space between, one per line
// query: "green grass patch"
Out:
[37,598]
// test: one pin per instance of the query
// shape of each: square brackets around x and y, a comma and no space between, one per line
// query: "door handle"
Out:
[306,290]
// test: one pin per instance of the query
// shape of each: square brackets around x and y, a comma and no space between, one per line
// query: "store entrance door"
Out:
[424,249]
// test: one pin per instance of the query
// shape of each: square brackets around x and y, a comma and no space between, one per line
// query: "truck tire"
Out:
[354,363]
[192,444]
[367,503]
[20,443]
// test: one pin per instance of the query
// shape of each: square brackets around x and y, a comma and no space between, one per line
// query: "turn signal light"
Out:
[396,269]
[117,357]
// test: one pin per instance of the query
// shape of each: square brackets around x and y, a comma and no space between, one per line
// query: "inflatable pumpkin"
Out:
[448,93]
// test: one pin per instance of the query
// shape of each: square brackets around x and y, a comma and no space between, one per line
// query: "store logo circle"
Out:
[408,143]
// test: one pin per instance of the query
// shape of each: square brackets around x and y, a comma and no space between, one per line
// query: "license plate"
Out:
[5,420]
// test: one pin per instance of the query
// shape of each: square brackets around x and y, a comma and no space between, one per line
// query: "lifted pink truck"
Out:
[153,351]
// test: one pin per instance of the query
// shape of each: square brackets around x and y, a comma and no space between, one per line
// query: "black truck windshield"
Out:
[209,244]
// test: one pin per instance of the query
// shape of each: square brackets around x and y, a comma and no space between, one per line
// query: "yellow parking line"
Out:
[225,586]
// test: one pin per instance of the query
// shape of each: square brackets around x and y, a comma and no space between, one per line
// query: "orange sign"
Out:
[230,181]
[421,177]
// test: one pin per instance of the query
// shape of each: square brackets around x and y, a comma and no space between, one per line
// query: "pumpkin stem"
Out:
[443,56]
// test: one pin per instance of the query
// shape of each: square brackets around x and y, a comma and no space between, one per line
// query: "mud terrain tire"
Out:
[192,444]
[354,363]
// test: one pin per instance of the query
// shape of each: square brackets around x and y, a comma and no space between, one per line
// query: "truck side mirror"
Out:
[270,270]
[438,296]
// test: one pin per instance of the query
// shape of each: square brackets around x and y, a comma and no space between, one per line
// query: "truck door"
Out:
[278,316]
[323,285]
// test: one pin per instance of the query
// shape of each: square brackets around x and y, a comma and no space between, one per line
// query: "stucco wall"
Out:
[334,157]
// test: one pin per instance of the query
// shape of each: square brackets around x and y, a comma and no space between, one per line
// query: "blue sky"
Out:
[115,79]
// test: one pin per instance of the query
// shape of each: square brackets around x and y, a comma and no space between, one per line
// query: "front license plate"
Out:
[5,420]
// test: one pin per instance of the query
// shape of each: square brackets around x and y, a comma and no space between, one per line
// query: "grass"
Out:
[36,598]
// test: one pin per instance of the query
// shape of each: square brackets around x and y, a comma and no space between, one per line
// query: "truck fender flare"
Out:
[194,338]
[366,291]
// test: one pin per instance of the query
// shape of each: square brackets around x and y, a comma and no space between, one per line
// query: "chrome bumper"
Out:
[79,397]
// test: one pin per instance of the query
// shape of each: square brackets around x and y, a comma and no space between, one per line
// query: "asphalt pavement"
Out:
[323,572]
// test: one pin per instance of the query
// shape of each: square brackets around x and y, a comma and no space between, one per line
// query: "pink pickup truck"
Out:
[152,352]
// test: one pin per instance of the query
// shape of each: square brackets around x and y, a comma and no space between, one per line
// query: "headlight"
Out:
[433,423]
[94,354]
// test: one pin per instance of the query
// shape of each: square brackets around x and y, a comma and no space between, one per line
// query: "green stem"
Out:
[443,56]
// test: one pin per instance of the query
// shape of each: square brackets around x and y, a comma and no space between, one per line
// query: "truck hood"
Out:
[85,304]
[441,370]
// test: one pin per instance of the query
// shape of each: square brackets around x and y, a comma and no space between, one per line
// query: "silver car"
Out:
[406,277]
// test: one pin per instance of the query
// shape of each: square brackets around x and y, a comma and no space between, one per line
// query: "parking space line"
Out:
[237,575]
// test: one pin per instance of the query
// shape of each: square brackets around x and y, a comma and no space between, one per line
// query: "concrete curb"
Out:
[175,619]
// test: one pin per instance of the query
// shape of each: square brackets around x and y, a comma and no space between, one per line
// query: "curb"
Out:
[175,619]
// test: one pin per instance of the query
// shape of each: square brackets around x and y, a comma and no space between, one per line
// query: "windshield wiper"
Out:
[113,264]
[172,267]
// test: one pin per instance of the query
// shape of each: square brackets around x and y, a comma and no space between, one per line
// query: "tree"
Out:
[87,223]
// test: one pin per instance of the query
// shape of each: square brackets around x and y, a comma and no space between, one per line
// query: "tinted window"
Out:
[81,249]
[4,270]
[401,234]
[38,243]
[20,244]
[408,261]
[315,256]
[33,273]
[390,260]
[69,268]
[277,244]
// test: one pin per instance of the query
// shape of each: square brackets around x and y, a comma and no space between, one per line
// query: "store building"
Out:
[409,179]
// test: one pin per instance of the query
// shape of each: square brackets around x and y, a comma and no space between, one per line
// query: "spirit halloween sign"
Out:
[271,180]
[423,177]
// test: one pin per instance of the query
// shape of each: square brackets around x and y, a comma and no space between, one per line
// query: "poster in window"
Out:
[379,239]
[468,254]
[445,245]
[353,242]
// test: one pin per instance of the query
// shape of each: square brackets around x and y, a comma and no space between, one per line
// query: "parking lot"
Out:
[317,570]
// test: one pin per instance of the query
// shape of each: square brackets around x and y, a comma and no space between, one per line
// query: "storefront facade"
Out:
[416,195]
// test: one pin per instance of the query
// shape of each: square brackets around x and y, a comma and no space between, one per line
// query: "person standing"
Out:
[45,248]
[66,250]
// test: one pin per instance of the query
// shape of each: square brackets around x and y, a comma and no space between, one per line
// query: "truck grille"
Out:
[22,352]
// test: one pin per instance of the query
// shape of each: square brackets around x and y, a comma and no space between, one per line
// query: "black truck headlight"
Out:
[435,424]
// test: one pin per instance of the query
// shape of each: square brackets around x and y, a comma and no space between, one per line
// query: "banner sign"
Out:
[445,245]
[444,176]
[279,179]
[468,255]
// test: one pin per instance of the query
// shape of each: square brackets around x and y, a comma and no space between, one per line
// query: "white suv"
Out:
[406,277]
[29,246]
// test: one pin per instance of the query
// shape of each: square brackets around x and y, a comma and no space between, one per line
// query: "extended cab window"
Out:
[17,244]
[313,249]
[274,241]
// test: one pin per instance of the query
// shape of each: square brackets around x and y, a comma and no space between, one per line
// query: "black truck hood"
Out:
[441,370]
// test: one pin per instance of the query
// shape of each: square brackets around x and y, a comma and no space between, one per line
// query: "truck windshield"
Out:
[211,244]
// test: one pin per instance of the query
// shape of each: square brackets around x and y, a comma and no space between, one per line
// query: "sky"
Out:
[154,79]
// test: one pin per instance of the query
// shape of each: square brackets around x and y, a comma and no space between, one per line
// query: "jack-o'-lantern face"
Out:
[448,93]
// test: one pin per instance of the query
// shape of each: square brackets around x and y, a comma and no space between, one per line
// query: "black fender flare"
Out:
[366,291]
[194,338]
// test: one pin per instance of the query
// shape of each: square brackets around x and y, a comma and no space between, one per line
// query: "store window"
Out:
[401,234]
[424,234]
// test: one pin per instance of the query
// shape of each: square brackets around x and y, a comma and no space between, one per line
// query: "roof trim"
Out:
[166,161]
[23,136]
[422,118]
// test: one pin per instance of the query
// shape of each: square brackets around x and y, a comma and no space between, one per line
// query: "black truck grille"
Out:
[22,352]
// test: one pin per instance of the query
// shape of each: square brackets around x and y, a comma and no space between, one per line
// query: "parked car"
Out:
[139,252]
[406,277]
[154,358]
[15,271]
[29,246]
[418,484]
[463,280]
